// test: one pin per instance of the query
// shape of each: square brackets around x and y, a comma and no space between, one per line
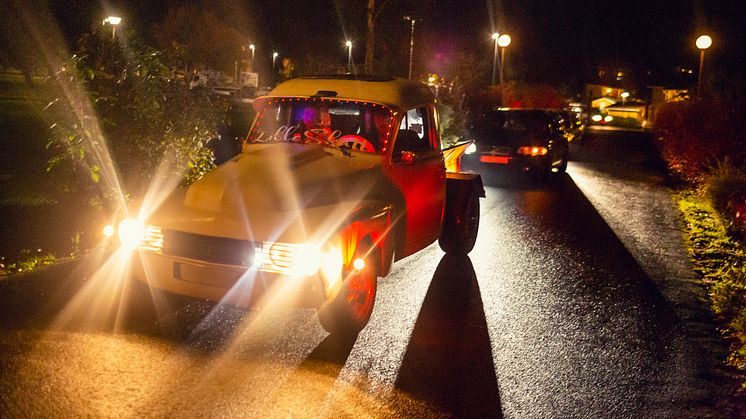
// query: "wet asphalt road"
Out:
[578,301]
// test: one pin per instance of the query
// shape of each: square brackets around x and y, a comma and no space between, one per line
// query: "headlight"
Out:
[331,265]
[307,260]
[131,233]
[299,260]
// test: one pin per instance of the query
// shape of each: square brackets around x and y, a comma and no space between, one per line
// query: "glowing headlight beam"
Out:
[131,233]
[307,260]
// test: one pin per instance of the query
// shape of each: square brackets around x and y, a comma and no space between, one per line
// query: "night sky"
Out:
[556,42]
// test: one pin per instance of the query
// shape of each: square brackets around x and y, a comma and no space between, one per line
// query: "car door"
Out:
[418,171]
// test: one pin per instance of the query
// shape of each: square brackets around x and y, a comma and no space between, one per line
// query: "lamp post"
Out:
[113,21]
[274,58]
[252,48]
[348,44]
[495,36]
[411,43]
[703,42]
[502,41]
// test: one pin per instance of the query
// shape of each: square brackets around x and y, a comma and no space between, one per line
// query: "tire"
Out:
[460,224]
[562,168]
[350,310]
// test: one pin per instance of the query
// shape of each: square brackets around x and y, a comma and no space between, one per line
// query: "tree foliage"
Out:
[698,134]
[18,47]
[117,114]
[197,37]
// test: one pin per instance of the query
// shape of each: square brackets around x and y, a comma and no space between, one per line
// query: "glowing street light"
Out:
[502,41]
[348,44]
[495,37]
[274,58]
[703,42]
[624,96]
[113,21]
[253,49]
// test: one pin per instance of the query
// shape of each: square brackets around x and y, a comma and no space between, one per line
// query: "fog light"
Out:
[108,230]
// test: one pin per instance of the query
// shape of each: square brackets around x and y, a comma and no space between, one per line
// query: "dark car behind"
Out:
[525,141]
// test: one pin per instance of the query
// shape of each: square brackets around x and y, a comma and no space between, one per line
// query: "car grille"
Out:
[208,248]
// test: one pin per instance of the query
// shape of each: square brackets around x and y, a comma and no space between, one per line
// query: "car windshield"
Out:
[503,128]
[362,126]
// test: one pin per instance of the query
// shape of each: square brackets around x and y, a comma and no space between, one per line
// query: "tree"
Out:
[372,13]
[198,37]
[20,37]
[117,114]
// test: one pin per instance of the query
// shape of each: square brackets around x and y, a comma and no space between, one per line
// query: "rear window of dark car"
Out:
[501,127]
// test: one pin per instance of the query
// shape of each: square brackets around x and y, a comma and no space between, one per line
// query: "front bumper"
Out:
[239,286]
[515,164]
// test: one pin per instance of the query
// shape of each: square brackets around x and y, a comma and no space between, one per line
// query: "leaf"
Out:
[95,175]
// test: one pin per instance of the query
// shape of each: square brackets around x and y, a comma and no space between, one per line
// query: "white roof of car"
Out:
[397,93]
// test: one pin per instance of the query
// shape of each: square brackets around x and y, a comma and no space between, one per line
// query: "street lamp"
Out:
[495,36]
[252,48]
[502,41]
[348,44]
[624,96]
[274,58]
[411,42]
[113,21]
[703,42]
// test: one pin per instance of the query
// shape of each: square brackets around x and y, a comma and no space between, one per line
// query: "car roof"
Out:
[400,94]
[525,112]
[522,110]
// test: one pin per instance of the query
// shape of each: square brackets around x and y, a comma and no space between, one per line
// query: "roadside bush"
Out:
[721,261]
[453,113]
[116,114]
[697,134]
[726,188]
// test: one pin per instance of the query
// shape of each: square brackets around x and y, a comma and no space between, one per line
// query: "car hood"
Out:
[274,190]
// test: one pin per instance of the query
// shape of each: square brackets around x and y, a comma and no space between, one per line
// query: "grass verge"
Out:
[720,260]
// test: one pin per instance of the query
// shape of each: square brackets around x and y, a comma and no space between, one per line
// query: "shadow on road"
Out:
[448,362]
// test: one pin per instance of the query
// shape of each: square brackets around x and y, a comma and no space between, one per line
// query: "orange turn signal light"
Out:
[533,151]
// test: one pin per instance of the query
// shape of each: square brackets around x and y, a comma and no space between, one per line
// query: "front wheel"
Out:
[348,312]
[460,224]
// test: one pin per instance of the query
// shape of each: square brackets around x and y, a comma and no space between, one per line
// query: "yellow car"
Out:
[338,178]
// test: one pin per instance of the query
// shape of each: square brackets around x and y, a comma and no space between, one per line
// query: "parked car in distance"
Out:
[339,177]
[571,124]
[525,141]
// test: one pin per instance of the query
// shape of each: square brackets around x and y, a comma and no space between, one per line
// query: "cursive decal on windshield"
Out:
[290,134]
